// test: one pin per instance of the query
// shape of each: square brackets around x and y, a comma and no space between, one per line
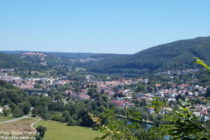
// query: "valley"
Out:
[69,94]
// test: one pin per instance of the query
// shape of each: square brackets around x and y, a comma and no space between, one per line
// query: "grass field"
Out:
[60,131]
[3,118]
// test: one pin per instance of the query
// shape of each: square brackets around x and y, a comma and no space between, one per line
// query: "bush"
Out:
[72,122]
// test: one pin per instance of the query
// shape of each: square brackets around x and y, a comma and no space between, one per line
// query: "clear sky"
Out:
[101,26]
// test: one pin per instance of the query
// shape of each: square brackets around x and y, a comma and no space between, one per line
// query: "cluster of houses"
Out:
[108,88]
[114,89]
[126,101]
[33,54]
[178,72]
[29,83]
[183,89]
[81,96]
[7,70]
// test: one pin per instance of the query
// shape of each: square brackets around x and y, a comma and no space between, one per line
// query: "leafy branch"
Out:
[202,63]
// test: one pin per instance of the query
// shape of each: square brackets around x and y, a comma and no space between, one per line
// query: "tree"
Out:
[92,91]
[37,86]
[181,124]
[140,88]
[18,112]
[66,116]
[202,63]
[26,107]
[41,131]
[6,111]
[207,92]
[85,119]
[72,122]
[157,104]
[116,128]
[185,125]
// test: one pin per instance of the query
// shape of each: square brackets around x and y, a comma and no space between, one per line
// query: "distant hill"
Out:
[11,59]
[14,61]
[70,55]
[175,55]
[85,55]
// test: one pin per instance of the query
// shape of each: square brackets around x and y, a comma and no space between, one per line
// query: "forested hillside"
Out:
[175,55]
[13,61]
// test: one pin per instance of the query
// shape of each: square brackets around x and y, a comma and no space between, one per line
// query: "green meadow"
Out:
[60,131]
[5,118]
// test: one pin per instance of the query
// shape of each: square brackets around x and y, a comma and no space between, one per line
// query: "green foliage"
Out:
[41,131]
[26,107]
[72,122]
[17,112]
[202,63]
[175,55]
[14,61]
[92,91]
[140,88]
[181,124]
[185,125]
[60,131]
[15,99]
[157,104]
[75,112]
[6,85]
[207,92]
[117,128]
[6,111]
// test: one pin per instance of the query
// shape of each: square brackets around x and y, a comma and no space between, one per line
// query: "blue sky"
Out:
[100,26]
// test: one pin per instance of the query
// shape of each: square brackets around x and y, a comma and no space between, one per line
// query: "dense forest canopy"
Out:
[13,61]
[175,55]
